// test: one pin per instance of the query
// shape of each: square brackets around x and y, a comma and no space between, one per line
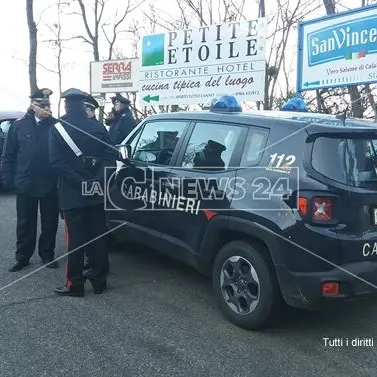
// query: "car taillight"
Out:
[322,209]
[330,289]
[303,206]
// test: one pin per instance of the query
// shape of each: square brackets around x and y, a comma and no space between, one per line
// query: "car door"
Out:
[138,183]
[203,179]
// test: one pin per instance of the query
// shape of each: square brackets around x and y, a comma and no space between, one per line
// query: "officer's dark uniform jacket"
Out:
[25,164]
[71,169]
[122,125]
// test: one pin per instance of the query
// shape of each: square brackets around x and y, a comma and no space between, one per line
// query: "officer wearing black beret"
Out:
[124,121]
[79,151]
[27,171]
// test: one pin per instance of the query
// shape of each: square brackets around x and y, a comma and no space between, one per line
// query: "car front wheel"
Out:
[245,286]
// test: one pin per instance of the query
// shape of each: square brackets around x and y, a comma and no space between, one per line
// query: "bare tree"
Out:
[33,42]
[368,89]
[58,28]
[56,44]
[57,41]
[94,26]
[282,18]
[358,104]
[282,23]
[192,13]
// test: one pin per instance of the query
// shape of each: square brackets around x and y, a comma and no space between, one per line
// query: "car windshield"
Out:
[349,161]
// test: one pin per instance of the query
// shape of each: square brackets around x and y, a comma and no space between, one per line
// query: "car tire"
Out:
[244,276]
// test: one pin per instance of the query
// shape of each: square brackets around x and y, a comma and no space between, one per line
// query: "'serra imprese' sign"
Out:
[338,50]
[192,66]
[114,76]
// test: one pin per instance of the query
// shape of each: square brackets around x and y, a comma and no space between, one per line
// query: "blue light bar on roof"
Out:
[295,104]
[226,104]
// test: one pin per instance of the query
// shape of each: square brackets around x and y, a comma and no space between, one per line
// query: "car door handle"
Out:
[170,184]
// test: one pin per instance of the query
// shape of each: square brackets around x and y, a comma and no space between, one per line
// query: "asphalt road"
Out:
[158,319]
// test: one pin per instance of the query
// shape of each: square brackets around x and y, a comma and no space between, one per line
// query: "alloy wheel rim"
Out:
[239,284]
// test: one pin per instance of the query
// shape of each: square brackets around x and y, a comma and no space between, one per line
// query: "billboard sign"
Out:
[193,65]
[114,76]
[338,50]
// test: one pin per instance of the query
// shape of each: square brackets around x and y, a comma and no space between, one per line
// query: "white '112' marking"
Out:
[282,161]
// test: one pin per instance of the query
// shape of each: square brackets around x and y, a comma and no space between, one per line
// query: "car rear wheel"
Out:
[245,286]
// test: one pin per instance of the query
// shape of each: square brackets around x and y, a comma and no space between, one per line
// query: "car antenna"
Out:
[343,116]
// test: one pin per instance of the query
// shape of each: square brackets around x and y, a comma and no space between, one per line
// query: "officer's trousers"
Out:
[109,240]
[27,221]
[84,229]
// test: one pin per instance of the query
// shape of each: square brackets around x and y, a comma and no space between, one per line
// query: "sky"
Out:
[14,80]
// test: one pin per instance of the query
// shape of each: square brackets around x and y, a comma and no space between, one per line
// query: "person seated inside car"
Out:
[163,147]
[210,157]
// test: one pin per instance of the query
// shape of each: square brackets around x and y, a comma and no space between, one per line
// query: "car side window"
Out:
[135,139]
[253,151]
[211,146]
[158,141]
[5,125]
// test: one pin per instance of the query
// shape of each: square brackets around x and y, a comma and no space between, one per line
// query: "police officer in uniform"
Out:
[91,105]
[27,171]
[84,214]
[124,121]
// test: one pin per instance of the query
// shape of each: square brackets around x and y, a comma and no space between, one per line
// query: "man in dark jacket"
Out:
[124,121]
[81,203]
[27,171]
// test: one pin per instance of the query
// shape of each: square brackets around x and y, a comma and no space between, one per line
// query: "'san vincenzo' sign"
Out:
[338,50]
[191,66]
[114,76]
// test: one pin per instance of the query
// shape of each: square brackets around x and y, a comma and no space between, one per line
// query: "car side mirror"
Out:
[125,152]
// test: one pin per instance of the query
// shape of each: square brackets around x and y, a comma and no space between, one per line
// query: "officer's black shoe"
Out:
[19,266]
[98,286]
[77,291]
[50,263]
